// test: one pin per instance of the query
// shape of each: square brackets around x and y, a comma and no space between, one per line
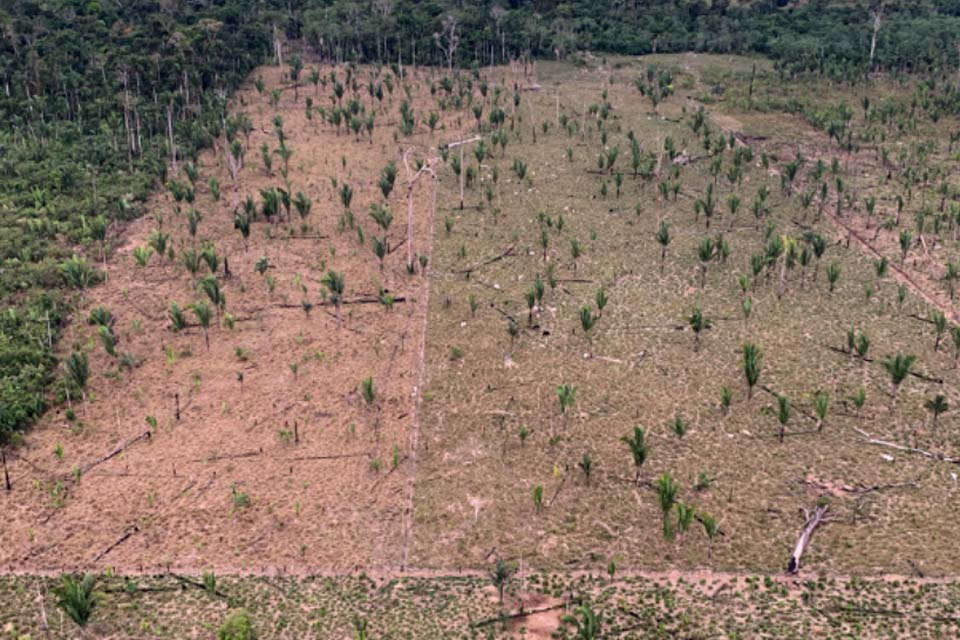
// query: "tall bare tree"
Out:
[447,38]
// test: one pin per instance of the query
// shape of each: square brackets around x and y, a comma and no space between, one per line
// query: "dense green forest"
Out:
[816,35]
[86,92]
[94,93]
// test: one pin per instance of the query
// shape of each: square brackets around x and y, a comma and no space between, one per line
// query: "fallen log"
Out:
[190,582]
[521,614]
[811,523]
[508,252]
[915,374]
[228,456]
[143,436]
[899,447]
[557,492]
[343,303]
[331,457]
[126,536]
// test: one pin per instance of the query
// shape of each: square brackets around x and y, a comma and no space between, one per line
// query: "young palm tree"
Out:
[209,254]
[821,403]
[705,251]
[733,203]
[587,624]
[937,405]
[303,205]
[940,327]
[177,320]
[346,195]
[726,396]
[667,491]
[601,299]
[898,367]
[367,390]
[698,322]
[566,395]
[203,313]
[586,466]
[685,515]
[382,215]
[706,205]
[955,334]
[77,598]
[108,339]
[587,320]
[710,527]
[906,239]
[859,398]
[861,346]
[191,262]
[751,366]
[638,449]
[500,576]
[77,370]
[334,283]
[211,287]
[783,414]
[882,268]
[241,222]
[379,246]
[663,238]
[575,252]
[388,177]
[833,275]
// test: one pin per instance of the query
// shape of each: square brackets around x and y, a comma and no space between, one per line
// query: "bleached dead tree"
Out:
[447,39]
[877,20]
[412,178]
[811,522]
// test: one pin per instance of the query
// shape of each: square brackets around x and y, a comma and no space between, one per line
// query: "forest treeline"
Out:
[90,93]
[808,35]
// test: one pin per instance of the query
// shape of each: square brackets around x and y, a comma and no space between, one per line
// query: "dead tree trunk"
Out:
[411,182]
[811,523]
[463,171]
[6,474]
[173,144]
[877,18]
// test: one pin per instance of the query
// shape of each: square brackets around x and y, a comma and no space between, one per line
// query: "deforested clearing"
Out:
[354,335]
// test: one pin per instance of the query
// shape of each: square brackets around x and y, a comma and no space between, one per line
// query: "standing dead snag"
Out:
[6,474]
[411,182]
[809,525]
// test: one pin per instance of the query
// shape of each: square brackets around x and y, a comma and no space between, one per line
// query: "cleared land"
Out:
[289,471]
[476,476]
[273,409]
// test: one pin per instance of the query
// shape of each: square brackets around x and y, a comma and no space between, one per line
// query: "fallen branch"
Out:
[228,456]
[199,585]
[557,492]
[518,615]
[126,536]
[508,252]
[143,436]
[328,303]
[915,374]
[899,447]
[331,457]
[811,523]
[457,143]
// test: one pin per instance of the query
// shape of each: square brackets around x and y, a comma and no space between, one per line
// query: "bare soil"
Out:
[301,445]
